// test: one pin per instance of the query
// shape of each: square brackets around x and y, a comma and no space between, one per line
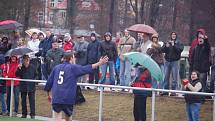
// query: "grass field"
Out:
[119,107]
[6,118]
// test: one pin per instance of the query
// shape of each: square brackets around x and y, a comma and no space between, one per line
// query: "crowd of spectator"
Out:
[49,50]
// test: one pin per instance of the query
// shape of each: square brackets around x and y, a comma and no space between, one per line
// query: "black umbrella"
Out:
[18,51]
[9,24]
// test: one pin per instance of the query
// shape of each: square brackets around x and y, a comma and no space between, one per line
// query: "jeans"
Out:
[44,69]
[174,68]
[94,75]
[125,73]
[16,98]
[3,103]
[104,67]
[139,108]
[31,97]
[212,79]
[203,78]
[193,111]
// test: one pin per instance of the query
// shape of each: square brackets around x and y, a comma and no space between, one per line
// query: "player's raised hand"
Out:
[103,60]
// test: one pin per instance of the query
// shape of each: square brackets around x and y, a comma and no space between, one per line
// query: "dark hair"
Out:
[197,72]
[68,55]
[39,34]
[33,34]
[25,56]
[174,33]
[4,38]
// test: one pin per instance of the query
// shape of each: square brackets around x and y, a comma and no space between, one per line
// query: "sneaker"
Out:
[32,117]
[4,114]
[164,93]
[14,114]
[172,94]
[24,116]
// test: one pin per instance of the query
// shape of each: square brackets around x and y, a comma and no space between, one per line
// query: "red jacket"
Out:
[143,80]
[68,46]
[9,70]
[194,44]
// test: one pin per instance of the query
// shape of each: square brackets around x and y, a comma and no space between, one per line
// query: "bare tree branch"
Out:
[133,7]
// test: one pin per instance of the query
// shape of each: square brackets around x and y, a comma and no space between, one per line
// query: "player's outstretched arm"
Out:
[102,60]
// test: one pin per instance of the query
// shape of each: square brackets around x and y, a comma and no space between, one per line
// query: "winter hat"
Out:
[67,36]
[93,35]
[155,36]
[107,34]
[202,31]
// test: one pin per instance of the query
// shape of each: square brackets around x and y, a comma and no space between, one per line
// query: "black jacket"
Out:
[189,98]
[26,73]
[93,53]
[201,58]
[108,48]
[173,53]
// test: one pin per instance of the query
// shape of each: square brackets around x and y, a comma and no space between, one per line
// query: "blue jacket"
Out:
[93,53]
[63,82]
[44,46]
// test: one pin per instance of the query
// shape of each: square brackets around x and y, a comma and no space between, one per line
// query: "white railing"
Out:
[101,86]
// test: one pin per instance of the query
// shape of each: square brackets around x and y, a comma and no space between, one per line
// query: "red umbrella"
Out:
[142,28]
[9,24]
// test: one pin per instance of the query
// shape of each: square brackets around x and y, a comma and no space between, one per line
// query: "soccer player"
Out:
[63,83]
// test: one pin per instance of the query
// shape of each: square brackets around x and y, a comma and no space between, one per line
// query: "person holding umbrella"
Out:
[4,47]
[143,80]
[27,71]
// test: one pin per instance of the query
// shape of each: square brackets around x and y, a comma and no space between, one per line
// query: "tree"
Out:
[154,11]
[71,14]
[111,16]
[27,4]
[192,3]
[174,14]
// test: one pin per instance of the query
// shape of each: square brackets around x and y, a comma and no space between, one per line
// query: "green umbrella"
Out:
[146,61]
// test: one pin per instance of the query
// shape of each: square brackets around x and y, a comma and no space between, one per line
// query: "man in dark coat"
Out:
[108,48]
[27,71]
[93,55]
[200,59]
[172,49]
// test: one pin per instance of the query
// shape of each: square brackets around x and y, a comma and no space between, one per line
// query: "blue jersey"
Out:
[63,82]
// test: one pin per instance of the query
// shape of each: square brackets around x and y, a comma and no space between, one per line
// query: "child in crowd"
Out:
[193,102]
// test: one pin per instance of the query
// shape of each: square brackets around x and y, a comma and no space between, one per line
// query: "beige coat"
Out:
[126,44]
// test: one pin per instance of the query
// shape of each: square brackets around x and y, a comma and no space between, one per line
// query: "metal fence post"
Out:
[100,103]
[11,97]
[214,109]
[153,106]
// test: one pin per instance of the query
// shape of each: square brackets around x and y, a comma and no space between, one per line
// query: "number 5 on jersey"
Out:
[60,80]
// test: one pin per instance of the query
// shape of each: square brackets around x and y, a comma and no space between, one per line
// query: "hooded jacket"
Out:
[173,53]
[200,59]
[93,53]
[68,46]
[108,48]
[9,71]
[194,44]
